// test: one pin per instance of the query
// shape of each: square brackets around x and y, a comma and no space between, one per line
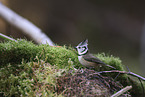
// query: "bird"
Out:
[86,58]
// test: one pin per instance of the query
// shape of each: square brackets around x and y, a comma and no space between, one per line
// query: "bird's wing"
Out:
[92,58]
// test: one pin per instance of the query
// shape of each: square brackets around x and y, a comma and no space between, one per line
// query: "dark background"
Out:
[114,27]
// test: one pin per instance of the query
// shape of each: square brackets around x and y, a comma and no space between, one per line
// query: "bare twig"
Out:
[24,25]
[122,91]
[6,37]
[129,73]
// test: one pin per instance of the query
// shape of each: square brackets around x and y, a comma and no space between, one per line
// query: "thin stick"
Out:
[6,37]
[124,72]
[122,91]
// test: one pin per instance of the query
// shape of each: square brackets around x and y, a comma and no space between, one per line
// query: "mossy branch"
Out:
[23,58]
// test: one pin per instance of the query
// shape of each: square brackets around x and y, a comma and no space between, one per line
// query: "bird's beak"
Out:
[75,46]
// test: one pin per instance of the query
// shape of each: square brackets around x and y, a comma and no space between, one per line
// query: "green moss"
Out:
[26,70]
[111,60]
[13,52]
[29,79]
[25,67]
[59,56]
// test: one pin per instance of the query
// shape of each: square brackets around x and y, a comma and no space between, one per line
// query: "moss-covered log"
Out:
[27,69]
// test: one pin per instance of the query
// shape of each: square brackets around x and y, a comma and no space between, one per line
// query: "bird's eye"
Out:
[79,47]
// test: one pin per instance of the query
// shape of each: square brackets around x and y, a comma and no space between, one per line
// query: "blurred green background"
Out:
[114,27]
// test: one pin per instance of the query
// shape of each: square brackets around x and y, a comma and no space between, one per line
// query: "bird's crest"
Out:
[84,42]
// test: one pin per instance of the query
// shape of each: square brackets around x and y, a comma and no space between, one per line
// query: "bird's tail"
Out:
[108,65]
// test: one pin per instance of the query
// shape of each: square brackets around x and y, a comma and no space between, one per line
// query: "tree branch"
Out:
[24,25]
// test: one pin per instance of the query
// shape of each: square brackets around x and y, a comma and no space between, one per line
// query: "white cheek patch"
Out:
[83,50]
